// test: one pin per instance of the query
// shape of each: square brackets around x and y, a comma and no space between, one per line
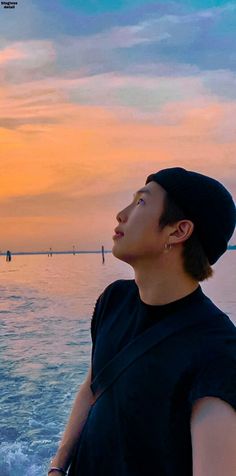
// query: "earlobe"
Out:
[167,247]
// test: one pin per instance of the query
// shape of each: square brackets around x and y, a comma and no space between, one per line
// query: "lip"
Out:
[117,237]
[118,234]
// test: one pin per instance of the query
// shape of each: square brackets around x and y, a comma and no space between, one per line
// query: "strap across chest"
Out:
[151,337]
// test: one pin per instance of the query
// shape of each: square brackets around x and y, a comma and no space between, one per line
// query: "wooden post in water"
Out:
[103,256]
[8,256]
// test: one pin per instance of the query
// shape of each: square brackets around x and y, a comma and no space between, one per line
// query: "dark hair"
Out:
[195,261]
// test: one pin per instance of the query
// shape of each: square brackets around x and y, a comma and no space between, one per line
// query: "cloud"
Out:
[13,123]
[199,39]
[91,104]
[10,54]
[37,102]
[57,203]
[140,98]
[22,61]
[135,37]
[166,41]
[221,83]
[43,19]
[53,100]
[43,204]
[142,94]
[84,171]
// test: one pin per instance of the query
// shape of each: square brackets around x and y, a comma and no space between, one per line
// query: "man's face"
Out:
[139,221]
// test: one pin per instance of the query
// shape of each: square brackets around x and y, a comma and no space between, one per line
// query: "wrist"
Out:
[60,459]
[55,470]
[58,466]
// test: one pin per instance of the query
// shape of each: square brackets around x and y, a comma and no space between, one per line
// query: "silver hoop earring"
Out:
[167,246]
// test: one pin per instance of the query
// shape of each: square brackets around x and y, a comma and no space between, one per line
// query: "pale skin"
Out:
[213,432]
[161,279]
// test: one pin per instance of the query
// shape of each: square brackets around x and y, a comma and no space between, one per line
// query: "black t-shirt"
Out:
[141,425]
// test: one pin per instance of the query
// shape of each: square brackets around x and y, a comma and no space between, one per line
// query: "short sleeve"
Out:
[95,317]
[216,379]
[100,304]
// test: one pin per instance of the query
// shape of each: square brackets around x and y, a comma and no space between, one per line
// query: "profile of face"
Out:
[139,222]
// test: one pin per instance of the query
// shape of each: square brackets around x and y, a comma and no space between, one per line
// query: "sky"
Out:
[97,94]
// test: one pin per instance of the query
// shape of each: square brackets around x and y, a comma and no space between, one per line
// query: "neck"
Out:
[158,287]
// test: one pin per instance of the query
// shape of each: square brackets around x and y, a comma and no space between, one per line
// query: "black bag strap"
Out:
[148,339]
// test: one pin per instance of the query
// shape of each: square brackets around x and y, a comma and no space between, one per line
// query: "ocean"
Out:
[46,304]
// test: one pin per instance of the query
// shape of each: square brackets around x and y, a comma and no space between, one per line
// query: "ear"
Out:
[181,231]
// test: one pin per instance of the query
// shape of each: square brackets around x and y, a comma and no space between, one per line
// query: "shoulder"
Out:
[112,297]
[214,372]
[216,378]
[216,315]
[214,332]
[211,334]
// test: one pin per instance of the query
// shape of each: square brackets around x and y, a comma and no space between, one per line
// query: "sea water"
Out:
[46,304]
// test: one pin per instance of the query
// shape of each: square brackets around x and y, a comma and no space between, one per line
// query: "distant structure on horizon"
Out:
[8,255]
[103,256]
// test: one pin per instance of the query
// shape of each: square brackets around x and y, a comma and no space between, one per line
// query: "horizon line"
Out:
[72,252]
[49,252]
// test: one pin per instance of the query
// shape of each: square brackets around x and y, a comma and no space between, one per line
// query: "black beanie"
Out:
[205,202]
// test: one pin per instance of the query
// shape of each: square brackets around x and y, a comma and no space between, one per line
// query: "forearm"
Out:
[74,426]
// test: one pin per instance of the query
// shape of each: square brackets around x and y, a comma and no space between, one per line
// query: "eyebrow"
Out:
[142,190]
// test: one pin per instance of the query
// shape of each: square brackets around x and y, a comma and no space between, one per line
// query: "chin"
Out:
[122,255]
[117,253]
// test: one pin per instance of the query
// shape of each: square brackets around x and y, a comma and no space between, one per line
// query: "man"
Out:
[170,411]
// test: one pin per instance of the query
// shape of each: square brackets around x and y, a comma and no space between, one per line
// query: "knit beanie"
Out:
[206,202]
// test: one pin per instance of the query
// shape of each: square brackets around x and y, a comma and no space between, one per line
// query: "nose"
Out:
[122,216]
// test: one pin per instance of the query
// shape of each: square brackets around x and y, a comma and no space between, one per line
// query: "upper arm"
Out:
[88,378]
[86,387]
[213,432]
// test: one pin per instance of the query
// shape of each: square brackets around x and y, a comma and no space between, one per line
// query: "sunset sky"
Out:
[97,94]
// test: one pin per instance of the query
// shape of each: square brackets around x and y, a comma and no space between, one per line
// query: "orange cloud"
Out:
[9,54]
[57,178]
